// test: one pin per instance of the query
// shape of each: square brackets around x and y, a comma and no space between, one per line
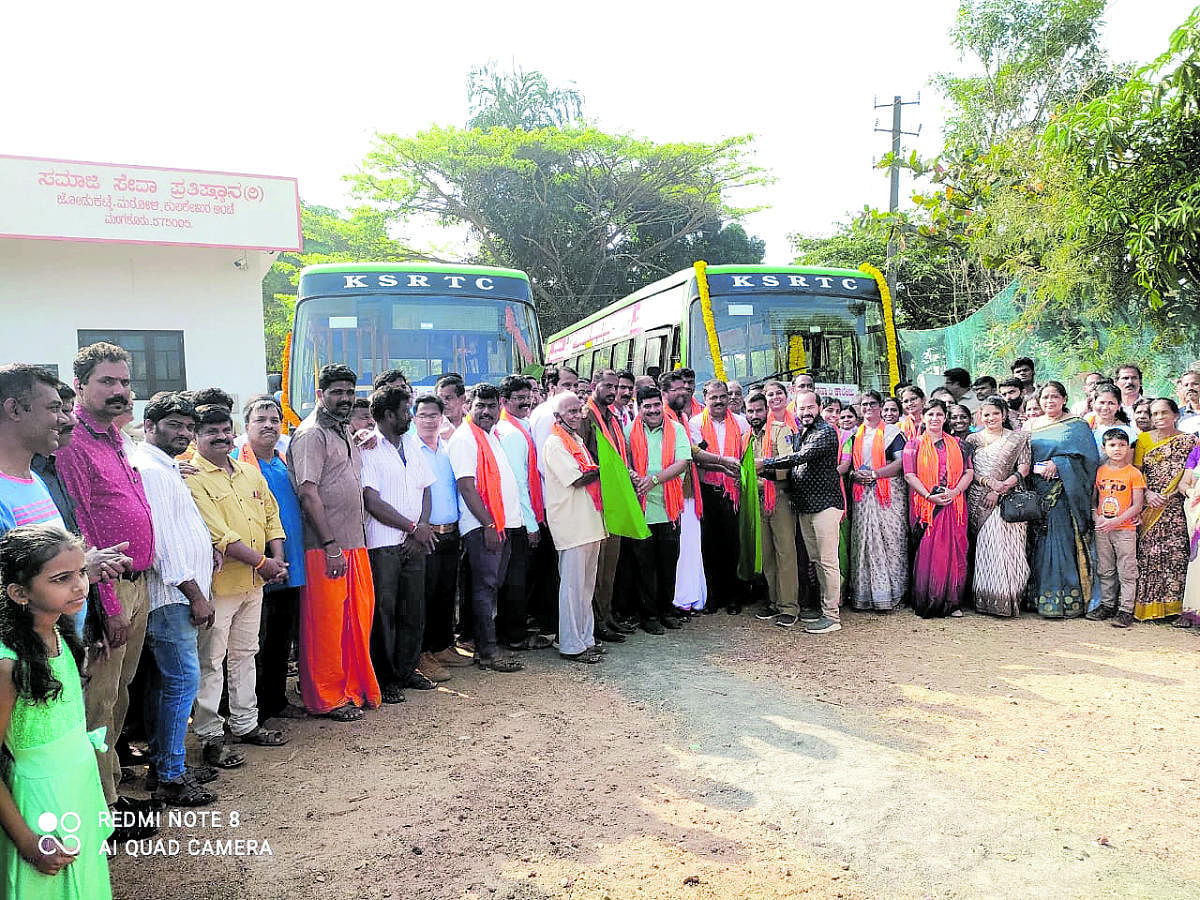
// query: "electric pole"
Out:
[894,196]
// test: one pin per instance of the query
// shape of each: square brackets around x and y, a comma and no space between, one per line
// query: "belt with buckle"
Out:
[132,576]
[445,529]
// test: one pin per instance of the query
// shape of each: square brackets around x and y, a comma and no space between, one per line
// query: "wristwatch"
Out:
[654,479]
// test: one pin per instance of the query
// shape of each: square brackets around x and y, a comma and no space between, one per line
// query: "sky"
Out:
[300,88]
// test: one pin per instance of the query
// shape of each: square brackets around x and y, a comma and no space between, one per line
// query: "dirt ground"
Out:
[897,758]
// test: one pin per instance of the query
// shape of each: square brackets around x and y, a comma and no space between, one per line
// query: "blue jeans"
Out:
[172,687]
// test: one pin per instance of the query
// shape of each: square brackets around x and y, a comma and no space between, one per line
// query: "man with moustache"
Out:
[178,583]
[721,432]
[489,508]
[1187,389]
[512,611]
[623,407]
[817,499]
[599,420]
[737,397]
[263,418]
[111,507]
[778,520]
[397,499]
[558,380]
[1012,392]
[452,391]
[242,516]
[336,676]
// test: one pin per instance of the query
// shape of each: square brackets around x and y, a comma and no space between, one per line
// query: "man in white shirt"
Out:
[397,501]
[489,506]
[719,431]
[573,510]
[179,584]
[1187,389]
[1129,379]
[513,431]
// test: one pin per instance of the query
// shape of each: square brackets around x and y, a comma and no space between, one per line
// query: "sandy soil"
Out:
[897,758]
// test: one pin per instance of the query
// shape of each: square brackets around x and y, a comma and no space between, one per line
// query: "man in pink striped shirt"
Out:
[111,509]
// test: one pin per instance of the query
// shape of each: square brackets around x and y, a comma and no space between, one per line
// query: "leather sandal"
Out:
[216,753]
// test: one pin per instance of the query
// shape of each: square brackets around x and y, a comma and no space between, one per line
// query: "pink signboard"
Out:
[54,199]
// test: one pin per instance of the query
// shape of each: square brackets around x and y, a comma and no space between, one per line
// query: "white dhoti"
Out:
[691,590]
[576,584]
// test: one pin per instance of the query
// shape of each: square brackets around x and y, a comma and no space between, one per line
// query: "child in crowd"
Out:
[51,802]
[1120,488]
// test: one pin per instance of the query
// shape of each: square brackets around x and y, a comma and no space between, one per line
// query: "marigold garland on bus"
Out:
[889,323]
[710,325]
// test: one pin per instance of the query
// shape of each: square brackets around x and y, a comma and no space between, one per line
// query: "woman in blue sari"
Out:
[1065,460]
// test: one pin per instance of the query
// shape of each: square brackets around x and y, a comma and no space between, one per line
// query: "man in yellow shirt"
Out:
[243,521]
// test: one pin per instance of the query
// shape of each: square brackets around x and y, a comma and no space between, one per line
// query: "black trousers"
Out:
[280,610]
[655,560]
[626,601]
[398,627]
[542,578]
[512,602]
[719,546]
[441,585]
[488,568]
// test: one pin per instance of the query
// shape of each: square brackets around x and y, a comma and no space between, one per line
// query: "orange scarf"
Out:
[768,445]
[788,418]
[247,455]
[927,471]
[697,503]
[733,447]
[640,451]
[696,407]
[531,465]
[883,490]
[911,427]
[615,439]
[580,455]
[487,476]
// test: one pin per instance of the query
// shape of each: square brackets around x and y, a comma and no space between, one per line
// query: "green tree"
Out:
[328,236]
[577,209]
[519,99]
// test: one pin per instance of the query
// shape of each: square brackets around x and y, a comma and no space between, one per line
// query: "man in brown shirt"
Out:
[336,676]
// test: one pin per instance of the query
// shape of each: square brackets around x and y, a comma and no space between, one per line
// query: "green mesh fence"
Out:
[986,343]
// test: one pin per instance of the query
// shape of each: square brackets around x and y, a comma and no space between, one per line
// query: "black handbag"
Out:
[1021,505]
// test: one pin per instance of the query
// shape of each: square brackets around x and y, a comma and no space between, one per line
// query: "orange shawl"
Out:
[911,427]
[927,471]
[639,450]
[531,464]
[247,455]
[697,502]
[883,490]
[732,447]
[487,476]
[788,418]
[614,438]
[580,455]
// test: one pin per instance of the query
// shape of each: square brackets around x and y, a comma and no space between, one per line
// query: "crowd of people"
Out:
[391,540]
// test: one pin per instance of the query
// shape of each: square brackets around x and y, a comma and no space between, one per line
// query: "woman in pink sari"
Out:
[938,470]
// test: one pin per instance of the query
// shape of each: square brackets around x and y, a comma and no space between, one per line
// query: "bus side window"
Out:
[600,359]
[585,365]
[654,352]
[674,361]
[620,357]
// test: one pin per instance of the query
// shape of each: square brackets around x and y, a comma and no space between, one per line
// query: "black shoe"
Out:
[1122,620]
[734,609]
[671,622]
[625,626]
[185,792]
[203,774]
[1100,613]
[651,626]
[418,682]
[143,814]
[784,620]
[609,637]
[766,613]
[709,609]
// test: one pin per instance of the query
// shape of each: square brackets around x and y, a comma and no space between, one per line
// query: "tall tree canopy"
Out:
[519,99]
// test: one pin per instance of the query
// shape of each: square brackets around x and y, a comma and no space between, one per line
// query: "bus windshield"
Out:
[480,338]
[760,335]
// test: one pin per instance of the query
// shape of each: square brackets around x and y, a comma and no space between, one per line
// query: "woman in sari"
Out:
[1001,458]
[912,401]
[878,573]
[1031,410]
[1065,460]
[1190,488]
[938,470]
[959,422]
[1163,542]
[891,411]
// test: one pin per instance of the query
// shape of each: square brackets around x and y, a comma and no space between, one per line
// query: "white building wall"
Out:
[51,289]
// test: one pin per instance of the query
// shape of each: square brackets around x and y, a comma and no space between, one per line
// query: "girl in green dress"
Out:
[51,804]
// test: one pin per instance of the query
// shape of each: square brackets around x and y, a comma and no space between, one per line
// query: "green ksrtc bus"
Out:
[424,318]
[770,321]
